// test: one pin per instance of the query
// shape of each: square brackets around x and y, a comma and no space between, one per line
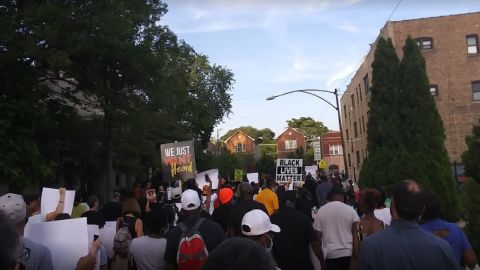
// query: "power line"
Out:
[395,9]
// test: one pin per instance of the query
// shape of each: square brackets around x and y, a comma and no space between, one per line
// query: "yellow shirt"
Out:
[268,198]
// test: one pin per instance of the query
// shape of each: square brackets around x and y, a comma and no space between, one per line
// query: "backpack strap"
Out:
[196,227]
[198,224]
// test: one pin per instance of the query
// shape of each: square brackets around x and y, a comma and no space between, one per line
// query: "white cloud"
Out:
[344,72]
[347,26]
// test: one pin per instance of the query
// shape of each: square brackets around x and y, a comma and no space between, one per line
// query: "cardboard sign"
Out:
[94,230]
[107,234]
[252,177]
[317,151]
[213,174]
[322,164]
[178,161]
[312,170]
[50,198]
[289,169]
[238,175]
[151,195]
[67,240]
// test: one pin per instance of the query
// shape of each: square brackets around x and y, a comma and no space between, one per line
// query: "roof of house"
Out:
[290,128]
[242,133]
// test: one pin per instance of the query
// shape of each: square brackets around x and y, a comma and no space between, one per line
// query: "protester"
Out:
[256,226]
[368,224]
[10,244]
[333,224]
[311,186]
[210,232]
[322,190]
[146,252]
[208,196]
[404,245]
[244,204]
[268,197]
[137,190]
[13,209]
[92,215]
[79,207]
[239,254]
[433,223]
[382,212]
[34,208]
[221,213]
[304,202]
[112,210]
[291,244]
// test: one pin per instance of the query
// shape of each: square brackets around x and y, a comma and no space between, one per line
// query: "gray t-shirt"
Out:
[39,257]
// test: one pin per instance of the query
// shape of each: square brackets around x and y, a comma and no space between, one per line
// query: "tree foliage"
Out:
[417,150]
[308,126]
[471,157]
[264,135]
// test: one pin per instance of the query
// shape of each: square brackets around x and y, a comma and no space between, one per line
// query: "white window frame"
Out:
[425,43]
[240,148]
[290,144]
[433,90]
[335,149]
[476,92]
[472,48]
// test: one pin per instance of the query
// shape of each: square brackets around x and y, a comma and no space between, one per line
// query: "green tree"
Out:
[264,135]
[383,121]
[471,157]
[308,126]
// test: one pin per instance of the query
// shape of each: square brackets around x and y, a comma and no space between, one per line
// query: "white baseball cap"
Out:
[257,222]
[176,193]
[190,200]
[13,206]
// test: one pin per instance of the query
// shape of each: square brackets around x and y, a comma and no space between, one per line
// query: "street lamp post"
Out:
[336,107]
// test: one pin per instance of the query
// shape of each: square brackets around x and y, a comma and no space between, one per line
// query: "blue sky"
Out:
[273,46]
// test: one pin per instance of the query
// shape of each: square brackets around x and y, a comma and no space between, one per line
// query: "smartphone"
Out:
[95,237]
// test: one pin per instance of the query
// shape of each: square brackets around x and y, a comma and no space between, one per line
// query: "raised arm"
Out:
[60,206]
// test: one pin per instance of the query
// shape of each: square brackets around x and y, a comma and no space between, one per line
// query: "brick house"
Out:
[451,49]
[240,143]
[332,151]
[289,141]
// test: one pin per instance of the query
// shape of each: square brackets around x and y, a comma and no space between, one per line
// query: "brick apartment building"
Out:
[289,141]
[450,47]
[332,151]
[239,142]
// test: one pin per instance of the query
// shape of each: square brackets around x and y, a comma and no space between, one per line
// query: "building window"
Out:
[476,90]
[290,144]
[348,136]
[358,158]
[335,149]
[349,161]
[355,129]
[240,147]
[366,84]
[352,96]
[472,44]
[345,111]
[363,124]
[434,90]
[360,92]
[425,43]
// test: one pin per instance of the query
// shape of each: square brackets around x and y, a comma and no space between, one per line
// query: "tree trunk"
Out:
[107,187]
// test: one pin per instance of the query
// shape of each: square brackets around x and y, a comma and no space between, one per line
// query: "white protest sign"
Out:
[107,234]
[252,177]
[67,240]
[312,170]
[213,174]
[50,198]
[317,151]
[289,169]
[93,230]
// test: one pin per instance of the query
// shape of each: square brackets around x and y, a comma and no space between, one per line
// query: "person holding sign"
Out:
[268,197]
[34,208]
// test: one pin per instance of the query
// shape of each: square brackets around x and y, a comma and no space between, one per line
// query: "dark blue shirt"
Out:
[404,245]
[322,192]
[456,238]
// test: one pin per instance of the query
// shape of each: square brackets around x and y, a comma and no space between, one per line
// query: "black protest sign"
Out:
[289,169]
[178,161]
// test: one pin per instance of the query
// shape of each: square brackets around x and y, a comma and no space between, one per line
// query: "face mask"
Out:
[270,245]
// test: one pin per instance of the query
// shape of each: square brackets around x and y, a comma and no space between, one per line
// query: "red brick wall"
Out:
[289,134]
[240,137]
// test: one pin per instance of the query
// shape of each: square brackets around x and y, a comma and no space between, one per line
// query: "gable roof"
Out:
[242,133]
[290,128]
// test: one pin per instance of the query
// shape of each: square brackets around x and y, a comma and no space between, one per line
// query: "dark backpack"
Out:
[122,239]
[192,251]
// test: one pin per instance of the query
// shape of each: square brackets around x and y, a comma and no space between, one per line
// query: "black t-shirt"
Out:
[211,232]
[305,206]
[238,210]
[94,218]
[291,244]
[112,211]
[221,215]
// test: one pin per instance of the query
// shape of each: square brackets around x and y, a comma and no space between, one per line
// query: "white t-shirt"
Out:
[384,215]
[335,220]
[148,252]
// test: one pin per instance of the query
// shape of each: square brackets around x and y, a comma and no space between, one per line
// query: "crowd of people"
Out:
[325,224]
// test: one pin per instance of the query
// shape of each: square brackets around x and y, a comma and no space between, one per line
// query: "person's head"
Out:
[148,185]
[368,200]
[225,195]
[176,194]
[270,183]
[157,221]
[245,191]
[205,190]
[33,203]
[116,197]
[303,193]
[189,184]
[382,198]
[256,225]
[288,199]
[256,187]
[92,202]
[433,207]
[239,254]
[407,200]
[13,208]
[10,243]
[131,206]
[64,216]
[336,194]
[190,202]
